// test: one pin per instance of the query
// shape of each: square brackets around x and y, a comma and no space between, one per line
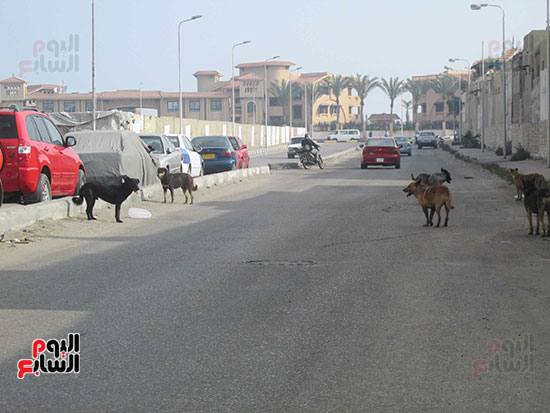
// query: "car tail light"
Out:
[226,153]
[24,153]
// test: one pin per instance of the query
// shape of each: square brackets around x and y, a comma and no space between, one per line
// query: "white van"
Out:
[344,135]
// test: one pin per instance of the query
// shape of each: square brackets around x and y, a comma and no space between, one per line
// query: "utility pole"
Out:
[482,96]
[93,66]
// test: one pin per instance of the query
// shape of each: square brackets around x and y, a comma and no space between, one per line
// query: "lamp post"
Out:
[180,103]
[233,82]
[447,68]
[290,94]
[468,67]
[265,94]
[478,6]
[93,66]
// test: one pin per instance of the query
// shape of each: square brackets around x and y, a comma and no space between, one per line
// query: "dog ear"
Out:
[413,178]
[442,170]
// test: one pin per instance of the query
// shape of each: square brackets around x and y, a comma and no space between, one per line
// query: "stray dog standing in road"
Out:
[113,194]
[543,205]
[431,198]
[530,201]
[520,181]
[173,181]
[434,179]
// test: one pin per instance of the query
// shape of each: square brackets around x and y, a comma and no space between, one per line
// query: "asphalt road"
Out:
[300,291]
[282,157]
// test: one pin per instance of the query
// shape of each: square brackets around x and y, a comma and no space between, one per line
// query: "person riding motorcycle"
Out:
[308,145]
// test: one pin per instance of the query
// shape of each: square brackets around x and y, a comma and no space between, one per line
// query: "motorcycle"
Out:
[308,160]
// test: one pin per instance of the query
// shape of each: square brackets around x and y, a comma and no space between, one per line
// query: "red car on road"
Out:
[383,151]
[241,151]
[38,161]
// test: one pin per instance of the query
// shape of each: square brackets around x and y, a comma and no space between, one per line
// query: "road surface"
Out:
[301,291]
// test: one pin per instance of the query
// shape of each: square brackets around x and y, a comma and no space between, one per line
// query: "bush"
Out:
[469,140]
[520,154]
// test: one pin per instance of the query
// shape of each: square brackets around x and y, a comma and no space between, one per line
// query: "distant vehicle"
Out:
[344,135]
[39,162]
[165,151]
[427,139]
[405,145]
[383,151]
[294,146]
[447,139]
[243,158]
[192,162]
[218,153]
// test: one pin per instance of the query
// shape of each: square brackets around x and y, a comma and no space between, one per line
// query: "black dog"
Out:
[113,194]
[174,181]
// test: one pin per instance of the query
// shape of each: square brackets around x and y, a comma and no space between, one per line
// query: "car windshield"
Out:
[296,140]
[401,139]
[211,142]
[427,134]
[154,142]
[174,140]
[8,127]
[380,142]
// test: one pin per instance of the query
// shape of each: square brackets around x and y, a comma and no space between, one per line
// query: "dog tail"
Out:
[413,178]
[449,200]
[78,199]
[195,188]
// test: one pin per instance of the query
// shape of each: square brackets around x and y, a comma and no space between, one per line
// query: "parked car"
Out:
[294,146]
[344,135]
[39,162]
[193,163]
[382,151]
[217,152]
[427,139]
[405,146]
[243,158]
[165,151]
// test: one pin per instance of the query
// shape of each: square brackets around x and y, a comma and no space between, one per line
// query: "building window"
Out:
[89,107]
[276,101]
[251,107]
[69,107]
[173,106]
[333,109]
[47,107]
[323,90]
[323,109]
[297,111]
[216,105]
[194,106]
[423,108]
[439,107]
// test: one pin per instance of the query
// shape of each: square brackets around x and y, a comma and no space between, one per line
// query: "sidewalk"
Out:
[529,166]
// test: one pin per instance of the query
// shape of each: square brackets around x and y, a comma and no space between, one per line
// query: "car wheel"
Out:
[1,193]
[42,192]
[398,166]
[201,173]
[364,166]
[81,180]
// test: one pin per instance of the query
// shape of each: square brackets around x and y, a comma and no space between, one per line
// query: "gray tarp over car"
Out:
[105,120]
[109,154]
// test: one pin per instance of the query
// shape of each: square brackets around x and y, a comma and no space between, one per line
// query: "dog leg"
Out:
[446,215]
[117,212]
[90,208]
[425,209]
[192,197]
[432,211]
[530,219]
[438,210]
[172,194]
[185,193]
[164,189]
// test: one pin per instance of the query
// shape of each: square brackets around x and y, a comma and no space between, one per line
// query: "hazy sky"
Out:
[136,41]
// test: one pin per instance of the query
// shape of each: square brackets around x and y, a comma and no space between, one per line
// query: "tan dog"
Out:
[520,181]
[433,198]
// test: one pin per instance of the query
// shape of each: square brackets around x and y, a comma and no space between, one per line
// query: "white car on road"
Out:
[344,135]
[192,162]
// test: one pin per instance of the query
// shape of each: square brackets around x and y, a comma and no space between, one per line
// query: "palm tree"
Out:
[392,88]
[445,86]
[407,104]
[417,88]
[282,91]
[336,85]
[363,85]
[312,93]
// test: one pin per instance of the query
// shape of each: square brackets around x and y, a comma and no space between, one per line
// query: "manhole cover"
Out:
[287,263]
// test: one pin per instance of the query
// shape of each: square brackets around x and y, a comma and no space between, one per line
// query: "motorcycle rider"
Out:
[308,145]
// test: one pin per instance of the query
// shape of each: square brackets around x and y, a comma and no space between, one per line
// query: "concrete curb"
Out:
[261,151]
[296,165]
[21,216]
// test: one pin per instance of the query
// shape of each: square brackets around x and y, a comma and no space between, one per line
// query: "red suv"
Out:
[243,158]
[38,162]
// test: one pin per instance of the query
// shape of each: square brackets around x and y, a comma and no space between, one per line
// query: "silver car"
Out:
[165,151]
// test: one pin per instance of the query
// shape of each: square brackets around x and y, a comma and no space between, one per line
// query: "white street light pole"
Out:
[460,112]
[233,82]
[93,67]
[468,67]
[180,102]
[290,94]
[265,94]
[478,6]
[482,96]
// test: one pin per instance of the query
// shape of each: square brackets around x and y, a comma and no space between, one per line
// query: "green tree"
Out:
[445,86]
[312,93]
[407,104]
[281,90]
[363,85]
[336,85]
[417,88]
[392,88]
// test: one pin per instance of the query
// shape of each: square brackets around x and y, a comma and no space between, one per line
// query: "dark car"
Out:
[382,151]
[217,152]
[405,147]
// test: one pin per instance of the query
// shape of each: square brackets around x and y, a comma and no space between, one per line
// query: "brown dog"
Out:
[520,181]
[433,198]
[173,181]
[543,205]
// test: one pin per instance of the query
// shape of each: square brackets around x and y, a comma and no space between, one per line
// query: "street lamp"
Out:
[265,94]
[478,6]
[468,67]
[290,94]
[180,104]
[233,81]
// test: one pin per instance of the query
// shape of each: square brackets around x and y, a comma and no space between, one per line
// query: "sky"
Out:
[136,41]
